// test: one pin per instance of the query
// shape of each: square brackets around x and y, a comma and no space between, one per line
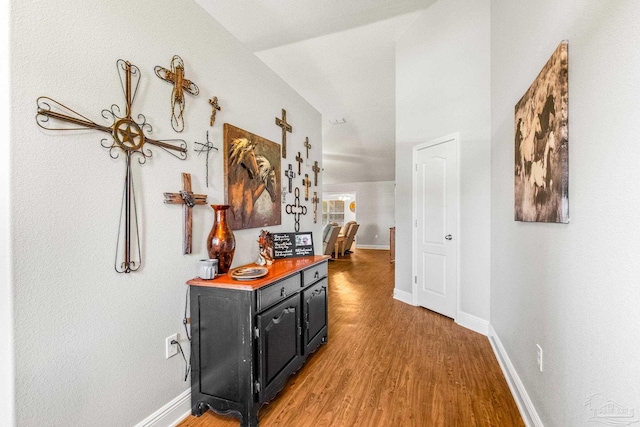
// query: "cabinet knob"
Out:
[448,237]
[283,292]
[315,276]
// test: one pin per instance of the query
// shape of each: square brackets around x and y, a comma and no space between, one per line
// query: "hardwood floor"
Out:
[387,364]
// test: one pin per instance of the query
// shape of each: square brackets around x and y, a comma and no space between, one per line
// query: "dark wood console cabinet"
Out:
[248,337]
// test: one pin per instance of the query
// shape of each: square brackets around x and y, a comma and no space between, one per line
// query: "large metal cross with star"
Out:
[126,135]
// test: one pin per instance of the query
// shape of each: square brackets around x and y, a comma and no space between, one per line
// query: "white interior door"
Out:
[435,223]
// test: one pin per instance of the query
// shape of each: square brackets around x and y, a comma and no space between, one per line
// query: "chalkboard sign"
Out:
[292,245]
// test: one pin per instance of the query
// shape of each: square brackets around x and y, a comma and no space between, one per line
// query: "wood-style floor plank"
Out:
[387,364]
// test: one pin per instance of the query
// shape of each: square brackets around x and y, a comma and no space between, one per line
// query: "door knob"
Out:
[448,237]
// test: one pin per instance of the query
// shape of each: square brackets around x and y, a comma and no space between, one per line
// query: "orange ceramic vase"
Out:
[221,244]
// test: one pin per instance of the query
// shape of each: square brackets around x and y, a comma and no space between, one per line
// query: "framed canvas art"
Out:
[252,179]
[542,144]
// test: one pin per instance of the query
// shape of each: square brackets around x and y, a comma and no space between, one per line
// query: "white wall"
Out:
[443,87]
[572,288]
[374,210]
[90,342]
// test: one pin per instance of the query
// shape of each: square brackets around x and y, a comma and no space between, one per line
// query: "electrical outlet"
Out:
[170,350]
[376,236]
[539,357]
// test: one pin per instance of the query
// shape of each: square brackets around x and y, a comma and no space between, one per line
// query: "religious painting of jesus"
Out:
[252,179]
[542,144]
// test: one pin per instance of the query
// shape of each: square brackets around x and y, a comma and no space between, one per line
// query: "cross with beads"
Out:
[307,183]
[315,200]
[296,209]
[299,159]
[286,127]
[316,171]
[186,198]
[126,135]
[307,146]
[289,173]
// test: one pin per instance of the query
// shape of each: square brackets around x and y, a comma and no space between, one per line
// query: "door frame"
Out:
[455,137]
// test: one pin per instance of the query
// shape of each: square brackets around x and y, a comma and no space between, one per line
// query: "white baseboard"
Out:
[403,296]
[523,401]
[376,247]
[170,414]
[472,322]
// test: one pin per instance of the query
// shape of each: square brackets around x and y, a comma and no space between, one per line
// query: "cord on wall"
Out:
[185,319]
[187,365]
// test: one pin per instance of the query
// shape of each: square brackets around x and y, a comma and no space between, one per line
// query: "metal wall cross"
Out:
[181,85]
[186,198]
[289,173]
[296,209]
[299,159]
[124,134]
[315,200]
[307,146]
[316,171]
[206,148]
[307,183]
[286,127]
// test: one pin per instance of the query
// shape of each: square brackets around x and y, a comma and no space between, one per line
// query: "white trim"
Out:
[523,401]
[455,137]
[403,296]
[472,322]
[171,414]
[375,247]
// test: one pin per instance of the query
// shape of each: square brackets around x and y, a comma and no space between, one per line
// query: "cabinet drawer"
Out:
[314,273]
[271,294]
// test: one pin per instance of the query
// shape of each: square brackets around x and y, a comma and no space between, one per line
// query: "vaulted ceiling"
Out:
[340,56]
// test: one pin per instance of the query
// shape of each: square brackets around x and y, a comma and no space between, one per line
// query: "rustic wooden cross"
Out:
[307,145]
[315,200]
[186,198]
[299,159]
[296,209]
[125,134]
[214,109]
[289,173]
[307,183]
[286,127]
[316,171]
[181,85]
[207,149]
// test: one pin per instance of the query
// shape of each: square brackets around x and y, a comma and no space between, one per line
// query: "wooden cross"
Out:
[188,200]
[286,127]
[289,173]
[125,134]
[181,85]
[214,109]
[315,200]
[316,171]
[307,183]
[299,159]
[296,209]
[307,145]
[206,148]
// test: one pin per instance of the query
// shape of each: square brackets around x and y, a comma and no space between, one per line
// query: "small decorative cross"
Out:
[206,148]
[296,209]
[307,183]
[189,200]
[315,200]
[286,127]
[214,109]
[316,171]
[181,85]
[289,173]
[299,159]
[307,145]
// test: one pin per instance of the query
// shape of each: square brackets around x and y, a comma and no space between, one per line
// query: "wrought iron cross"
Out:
[214,109]
[289,173]
[307,145]
[189,200]
[307,183]
[181,85]
[315,200]
[299,159]
[296,209]
[286,127]
[206,148]
[316,171]
[125,134]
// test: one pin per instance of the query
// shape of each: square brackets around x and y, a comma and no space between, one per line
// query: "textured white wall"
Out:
[443,87]
[90,342]
[572,288]
[374,209]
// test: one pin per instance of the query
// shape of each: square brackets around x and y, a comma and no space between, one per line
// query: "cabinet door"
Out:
[314,300]
[280,349]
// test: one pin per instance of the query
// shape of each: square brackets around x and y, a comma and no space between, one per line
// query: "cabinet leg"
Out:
[249,420]
[199,409]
